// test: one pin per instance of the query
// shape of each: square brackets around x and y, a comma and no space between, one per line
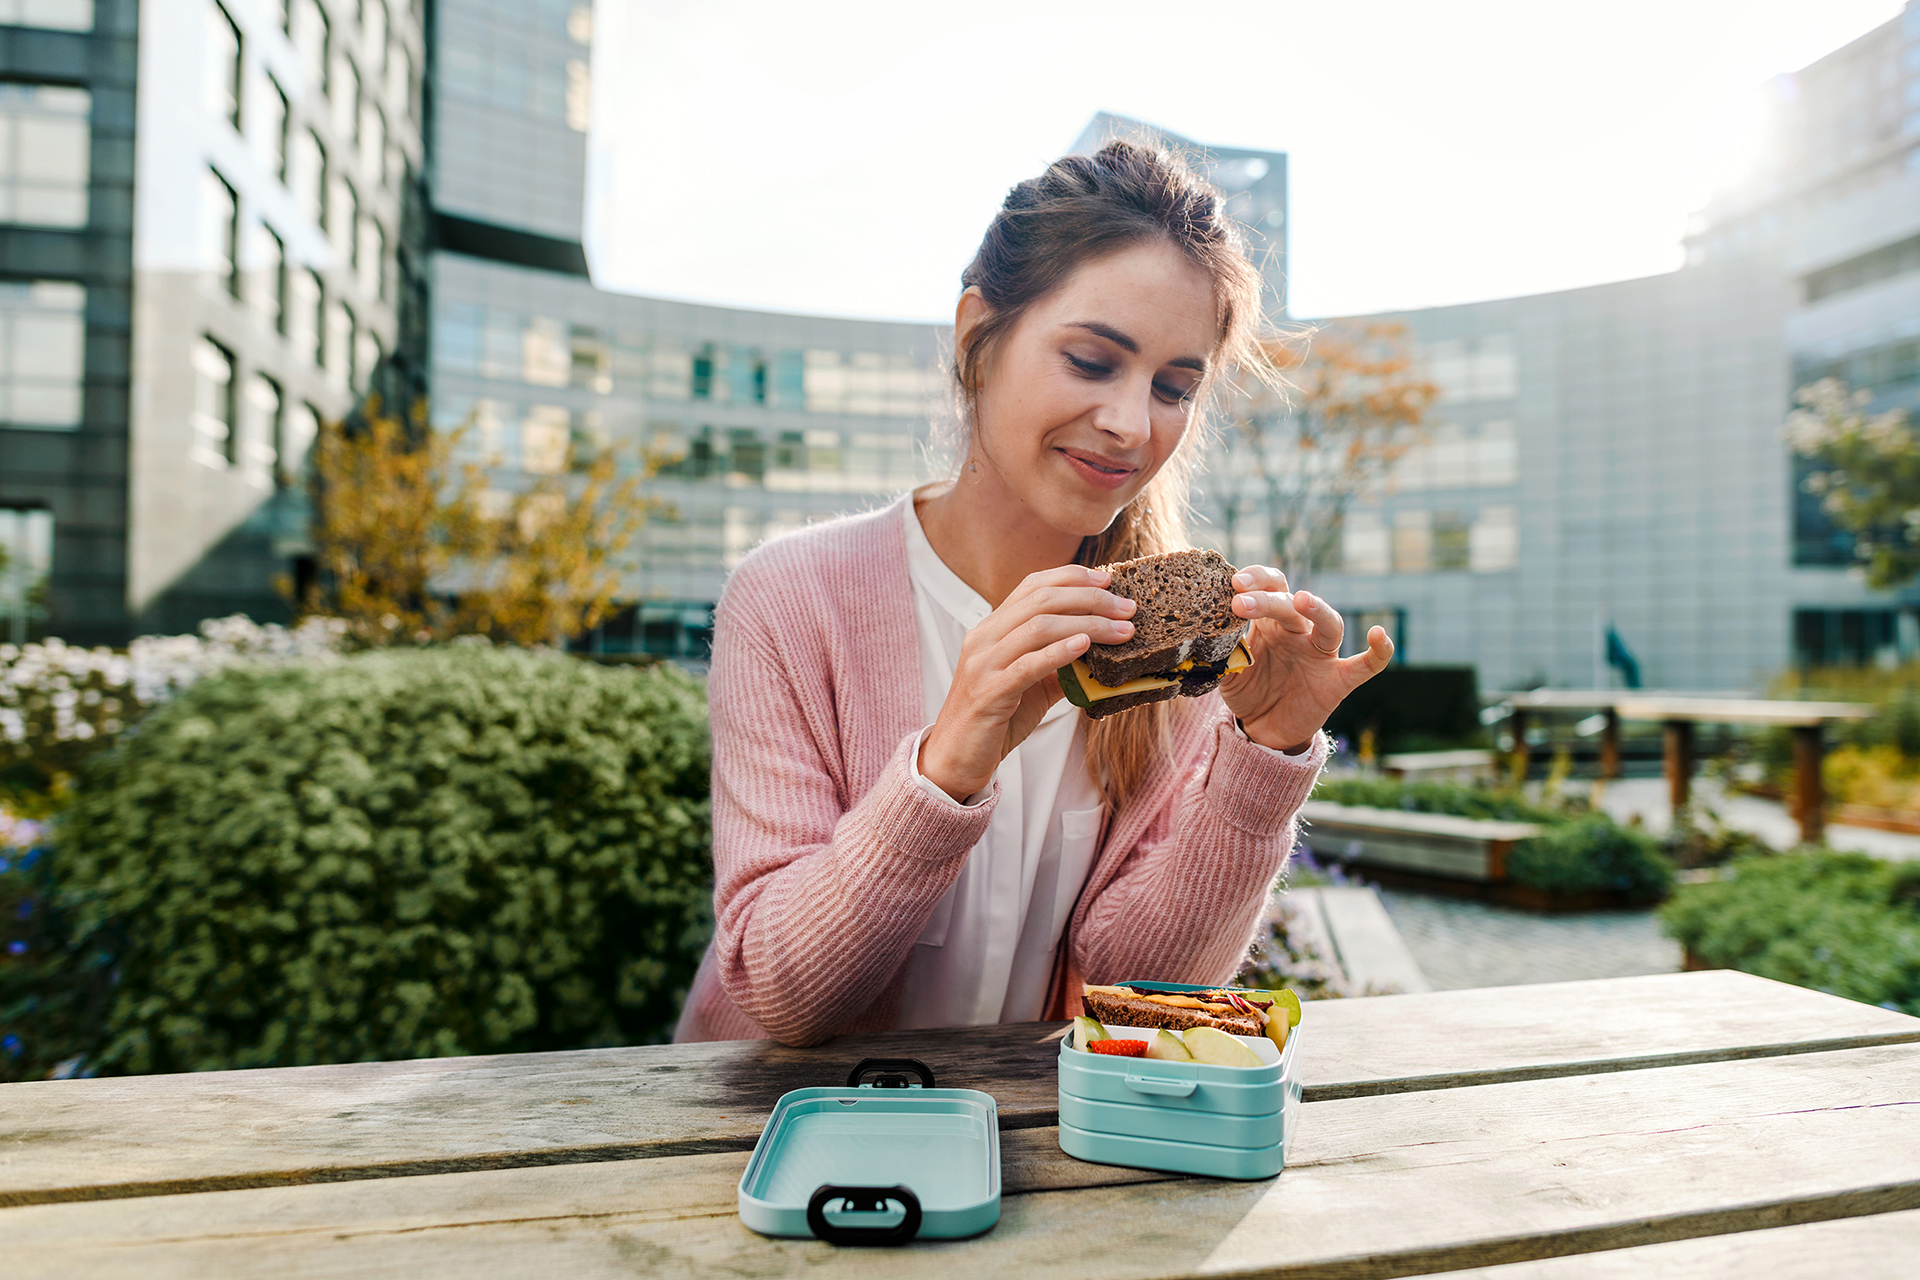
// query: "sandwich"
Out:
[1239,1013]
[1185,636]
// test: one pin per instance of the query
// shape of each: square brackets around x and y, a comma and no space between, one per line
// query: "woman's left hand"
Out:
[1298,676]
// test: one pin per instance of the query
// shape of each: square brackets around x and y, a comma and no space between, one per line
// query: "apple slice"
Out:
[1086,1030]
[1214,1046]
[1167,1047]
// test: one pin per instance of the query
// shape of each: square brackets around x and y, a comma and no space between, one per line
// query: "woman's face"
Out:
[1088,394]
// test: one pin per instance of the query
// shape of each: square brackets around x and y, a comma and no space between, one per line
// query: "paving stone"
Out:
[1472,944]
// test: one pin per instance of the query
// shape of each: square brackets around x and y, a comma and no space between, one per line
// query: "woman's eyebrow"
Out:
[1127,344]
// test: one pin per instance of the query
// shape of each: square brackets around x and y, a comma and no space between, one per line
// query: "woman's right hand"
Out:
[1005,681]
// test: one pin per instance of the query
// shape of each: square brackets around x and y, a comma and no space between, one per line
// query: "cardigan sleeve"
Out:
[816,903]
[1188,897]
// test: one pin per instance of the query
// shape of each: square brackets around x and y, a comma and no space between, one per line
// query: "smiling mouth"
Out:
[1101,465]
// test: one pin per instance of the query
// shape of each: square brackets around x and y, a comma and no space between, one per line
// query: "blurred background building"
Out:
[222,221]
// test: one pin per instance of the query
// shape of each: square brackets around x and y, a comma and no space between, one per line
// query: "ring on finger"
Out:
[1331,653]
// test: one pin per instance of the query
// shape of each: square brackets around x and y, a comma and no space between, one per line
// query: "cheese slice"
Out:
[1093,691]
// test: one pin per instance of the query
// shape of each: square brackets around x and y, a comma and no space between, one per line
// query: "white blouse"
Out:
[987,953]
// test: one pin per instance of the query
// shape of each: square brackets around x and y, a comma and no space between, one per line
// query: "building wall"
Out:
[74,471]
[214,507]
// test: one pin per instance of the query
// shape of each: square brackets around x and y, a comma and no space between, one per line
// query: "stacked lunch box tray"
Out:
[1180,1117]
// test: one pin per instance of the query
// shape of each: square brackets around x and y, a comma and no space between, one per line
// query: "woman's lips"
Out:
[1098,472]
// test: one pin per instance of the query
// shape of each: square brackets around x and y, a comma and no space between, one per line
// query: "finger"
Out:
[1329,628]
[1377,656]
[1062,599]
[1037,633]
[1277,605]
[1259,577]
[1031,668]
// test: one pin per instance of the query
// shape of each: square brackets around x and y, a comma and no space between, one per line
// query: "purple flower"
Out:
[16,948]
[12,1045]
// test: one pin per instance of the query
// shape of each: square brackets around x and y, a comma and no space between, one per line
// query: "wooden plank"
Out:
[1404,1184]
[1372,953]
[1366,817]
[157,1135]
[1884,1246]
[1739,710]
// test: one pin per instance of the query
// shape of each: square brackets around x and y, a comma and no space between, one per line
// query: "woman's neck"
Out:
[987,536]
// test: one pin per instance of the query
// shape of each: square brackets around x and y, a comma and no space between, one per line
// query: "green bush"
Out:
[1436,797]
[1593,854]
[1844,923]
[402,854]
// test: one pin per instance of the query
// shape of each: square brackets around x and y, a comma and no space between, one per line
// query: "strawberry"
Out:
[1122,1048]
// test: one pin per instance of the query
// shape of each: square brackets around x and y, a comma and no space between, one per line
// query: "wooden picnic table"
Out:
[1678,714]
[1685,1124]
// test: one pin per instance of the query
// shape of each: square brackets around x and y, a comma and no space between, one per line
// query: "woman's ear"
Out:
[967,315]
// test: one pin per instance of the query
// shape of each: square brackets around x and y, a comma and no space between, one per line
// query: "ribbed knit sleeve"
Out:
[1186,901]
[817,901]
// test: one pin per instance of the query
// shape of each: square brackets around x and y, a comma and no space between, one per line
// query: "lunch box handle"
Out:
[892,1067]
[1164,1088]
[863,1200]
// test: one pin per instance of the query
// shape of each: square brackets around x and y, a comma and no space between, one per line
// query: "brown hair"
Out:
[1083,208]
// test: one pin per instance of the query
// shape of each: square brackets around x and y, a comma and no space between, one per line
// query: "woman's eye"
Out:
[1090,368]
[1171,394]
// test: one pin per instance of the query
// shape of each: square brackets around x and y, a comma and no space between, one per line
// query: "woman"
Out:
[911,827]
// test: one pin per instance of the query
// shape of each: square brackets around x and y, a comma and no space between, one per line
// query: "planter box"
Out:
[1433,844]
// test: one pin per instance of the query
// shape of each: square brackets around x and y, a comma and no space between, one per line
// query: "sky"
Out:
[844,158]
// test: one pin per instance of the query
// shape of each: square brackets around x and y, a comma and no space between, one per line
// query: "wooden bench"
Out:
[1349,925]
[1438,766]
[1435,844]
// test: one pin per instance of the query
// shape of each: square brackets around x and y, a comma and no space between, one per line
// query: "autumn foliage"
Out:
[413,545]
[1316,430]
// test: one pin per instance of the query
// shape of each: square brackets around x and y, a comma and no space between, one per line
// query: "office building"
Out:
[203,224]
[1612,456]
[758,421]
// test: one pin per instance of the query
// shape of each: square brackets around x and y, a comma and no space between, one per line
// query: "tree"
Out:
[1869,481]
[414,546]
[1300,447]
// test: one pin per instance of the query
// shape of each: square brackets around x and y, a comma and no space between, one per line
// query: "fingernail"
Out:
[1125,628]
[1100,576]
[1242,580]
[1243,602]
[1126,605]
[1302,600]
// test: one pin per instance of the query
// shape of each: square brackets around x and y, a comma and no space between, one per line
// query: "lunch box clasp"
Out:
[891,1075]
[863,1200]
[1161,1087]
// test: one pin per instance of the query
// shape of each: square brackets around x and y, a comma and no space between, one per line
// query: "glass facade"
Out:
[53,15]
[42,353]
[45,146]
[26,561]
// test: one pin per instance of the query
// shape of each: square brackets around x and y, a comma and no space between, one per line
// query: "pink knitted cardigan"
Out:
[828,858]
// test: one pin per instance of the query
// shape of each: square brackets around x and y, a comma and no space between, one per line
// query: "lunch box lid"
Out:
[880,1161]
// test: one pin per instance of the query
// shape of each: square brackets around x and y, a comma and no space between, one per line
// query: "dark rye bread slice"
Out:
[1186,611]
[1130,1011]
[1128,701]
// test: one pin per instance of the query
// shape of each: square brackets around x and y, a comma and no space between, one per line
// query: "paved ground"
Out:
[1647,798]
[1471,944]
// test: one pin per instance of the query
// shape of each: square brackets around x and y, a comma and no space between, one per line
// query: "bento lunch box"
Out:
[1180,1117]
[881,1161]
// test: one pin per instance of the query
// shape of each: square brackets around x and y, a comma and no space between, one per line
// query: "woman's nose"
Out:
[1126,417]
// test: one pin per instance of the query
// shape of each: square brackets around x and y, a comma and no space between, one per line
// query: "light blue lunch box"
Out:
[1179,1117]
[878,1162]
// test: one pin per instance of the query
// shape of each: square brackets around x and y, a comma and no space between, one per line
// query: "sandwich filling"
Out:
[1083,691]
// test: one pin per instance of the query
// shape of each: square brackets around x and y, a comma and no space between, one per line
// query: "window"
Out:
[343,89]
[273,128]
[53,15]
[399,76]
[1883,263]
[373,140]
[264,423]
[373,26]
[343,213]
[1472,369]
[456,336]
[223,64]
[313,39]
[26,538]
[366,356]
[1412,541]
[42,348]
[579,95]
[309,316]
[301,426]
[1364,543]
[543,439]
[545,359]
[339,340]
[271,288]
[703,373]
[223,232]
[1449,540]
[44,155]
[369,254]
[1494,542]
[309,178]
[214,416]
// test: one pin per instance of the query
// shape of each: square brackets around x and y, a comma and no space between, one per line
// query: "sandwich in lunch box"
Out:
[1185,636]
[1237,1013]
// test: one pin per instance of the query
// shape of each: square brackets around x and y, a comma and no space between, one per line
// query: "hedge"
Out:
[1844,923]
[401,854]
